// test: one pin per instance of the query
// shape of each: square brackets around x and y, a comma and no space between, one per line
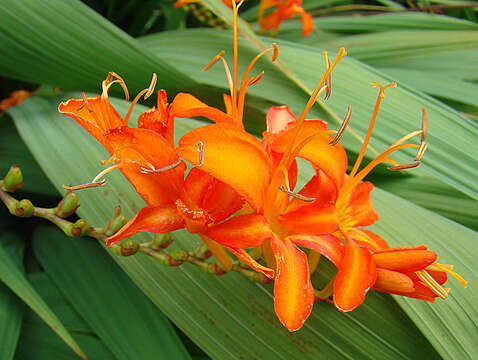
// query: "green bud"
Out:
[116,249]
[161,241]
[80,228]
[215,269]
[24,208]
[129,247]
[13,180]
[116,223]
[178,257]
[67,205]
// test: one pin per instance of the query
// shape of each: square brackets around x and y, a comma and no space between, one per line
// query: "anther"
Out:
[256,79]
[421,151]
[328,81]
[152,85]
[432,284]
[84,186]
[404,166]
[383,88]
[214,60]
[109,80]
[275,54]
[201,153]
[424,123]
[341,131]
[296,195]
[153,170]
[86,102]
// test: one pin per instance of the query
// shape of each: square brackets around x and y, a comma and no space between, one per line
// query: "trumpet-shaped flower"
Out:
[283,10]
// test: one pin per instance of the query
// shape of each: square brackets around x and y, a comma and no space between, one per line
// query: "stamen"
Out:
[153,170]
[405,138]
[256,79]
[214,60]
[106,84]
[380,96]
[201,153]
[328,82]
[341,131]
[432,284]
[86,102]
[152,85]
[448,269]
[104,172]
[133,103]
[424,123]
[421,151]
[84,186]
[296,195]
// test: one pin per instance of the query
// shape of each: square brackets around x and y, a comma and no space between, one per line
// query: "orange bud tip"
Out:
[85,186]
[341,131]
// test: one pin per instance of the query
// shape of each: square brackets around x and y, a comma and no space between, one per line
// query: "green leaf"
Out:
[11,315]
[125,320]
[67,44]
[230,324]
[13,276]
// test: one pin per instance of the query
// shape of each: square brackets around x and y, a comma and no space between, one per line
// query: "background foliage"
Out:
[59,296]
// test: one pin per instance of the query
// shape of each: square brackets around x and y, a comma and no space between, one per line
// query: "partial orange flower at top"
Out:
[15,98]
[283,10]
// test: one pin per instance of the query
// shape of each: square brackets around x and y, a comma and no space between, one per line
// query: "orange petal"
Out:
[156,219]
[360,206]
[307,22]
[244,256]
[393,282]
[356,275]
[102,117]
[327,245]
[141,147]
[231,155]
[218,199]
[185,105]
[367,239]
[404,260]
[315,219]
[242,231]
[332,160]
[278,119]
[293,291]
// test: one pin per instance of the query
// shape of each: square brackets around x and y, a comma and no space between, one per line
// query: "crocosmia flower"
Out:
[283,10]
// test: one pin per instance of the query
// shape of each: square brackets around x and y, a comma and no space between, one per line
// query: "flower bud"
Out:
[116,223]
[161,241]
[13,180]
[178,257]
[116,249]
[129,247]
[24,208]
[80,228]
[67,205]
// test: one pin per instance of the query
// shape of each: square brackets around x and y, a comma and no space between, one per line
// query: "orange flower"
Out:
[263,174]
[16,98]
[146,156]
[284,9]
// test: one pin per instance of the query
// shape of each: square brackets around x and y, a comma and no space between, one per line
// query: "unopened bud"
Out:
[80,228]
[178,257]
[67,205]
[116,249]
[161,241]
[116,224]
[129,247]
[215,269]
[24,208]
[13,180]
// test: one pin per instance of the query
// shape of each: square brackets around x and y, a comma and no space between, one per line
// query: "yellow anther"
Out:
[341,131]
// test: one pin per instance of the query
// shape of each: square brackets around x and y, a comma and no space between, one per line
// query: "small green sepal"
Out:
[67,205]
[24,208]
[13,180]
[129,247]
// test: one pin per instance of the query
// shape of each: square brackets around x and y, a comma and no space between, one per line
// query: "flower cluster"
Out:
[240,192]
